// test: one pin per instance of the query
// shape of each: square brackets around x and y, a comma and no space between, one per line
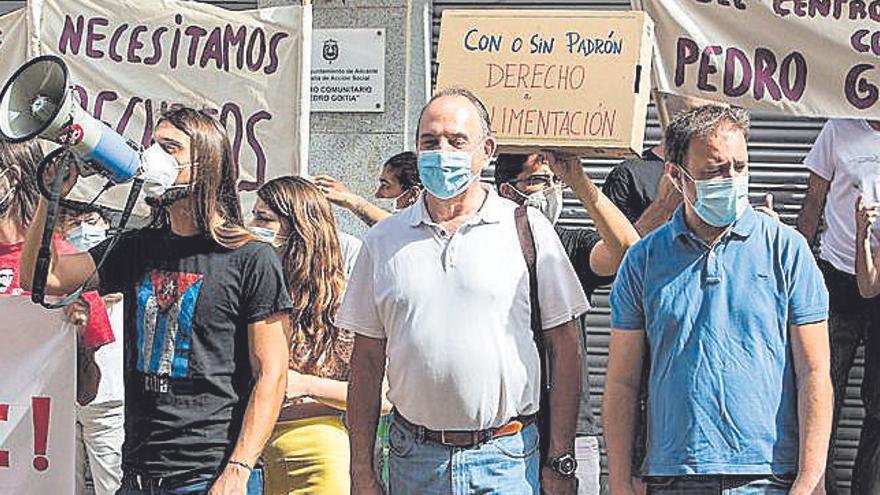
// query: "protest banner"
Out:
[37,417]
[130,59]
[576,80]
[13,42]
[812,58]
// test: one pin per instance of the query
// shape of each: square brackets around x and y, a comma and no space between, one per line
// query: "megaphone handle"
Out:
[133,195]
[44,255]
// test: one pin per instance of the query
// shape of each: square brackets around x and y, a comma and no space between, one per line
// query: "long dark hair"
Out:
[19,162]
[405,167]
[214,195]
[313,267]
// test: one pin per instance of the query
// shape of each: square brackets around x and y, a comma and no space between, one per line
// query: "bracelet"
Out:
[242,464]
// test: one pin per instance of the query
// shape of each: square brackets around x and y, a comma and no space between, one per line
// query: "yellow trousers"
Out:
[307,456]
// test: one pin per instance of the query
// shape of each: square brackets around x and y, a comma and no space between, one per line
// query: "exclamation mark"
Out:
[4,416]
[40,407]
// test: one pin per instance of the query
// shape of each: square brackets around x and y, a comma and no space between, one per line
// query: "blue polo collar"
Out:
[741,228]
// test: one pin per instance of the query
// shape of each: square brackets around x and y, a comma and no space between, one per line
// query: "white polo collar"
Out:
[490,212]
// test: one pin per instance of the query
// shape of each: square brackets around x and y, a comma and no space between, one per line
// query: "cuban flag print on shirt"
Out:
[166,305]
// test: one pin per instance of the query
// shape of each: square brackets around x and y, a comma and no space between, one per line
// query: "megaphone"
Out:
[37,101]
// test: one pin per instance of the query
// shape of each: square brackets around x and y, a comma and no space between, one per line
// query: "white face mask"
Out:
[268,235]
[548,201]
[390,204]
[160,171]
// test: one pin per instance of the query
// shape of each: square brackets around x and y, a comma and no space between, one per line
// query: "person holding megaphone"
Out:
[206,309]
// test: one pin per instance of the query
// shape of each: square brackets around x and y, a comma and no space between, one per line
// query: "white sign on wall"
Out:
[348,70]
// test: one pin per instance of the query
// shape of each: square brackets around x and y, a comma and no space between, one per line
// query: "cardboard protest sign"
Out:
[577,80]
[814,58]
[13,42]
[37,417]
[130,59]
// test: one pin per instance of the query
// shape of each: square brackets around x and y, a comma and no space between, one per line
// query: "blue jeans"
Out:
[720,485]
[505,465]
[130,486]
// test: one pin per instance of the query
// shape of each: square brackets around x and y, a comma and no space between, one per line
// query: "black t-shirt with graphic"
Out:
[188,304]
[578,244]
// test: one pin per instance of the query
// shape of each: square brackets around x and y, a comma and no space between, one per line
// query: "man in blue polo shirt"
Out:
[735,312]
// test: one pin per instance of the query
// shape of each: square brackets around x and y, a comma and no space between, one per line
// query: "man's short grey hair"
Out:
[485,120]
[700,122]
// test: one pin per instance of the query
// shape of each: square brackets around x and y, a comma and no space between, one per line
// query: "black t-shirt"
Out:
[579,243]
[632,185]
[188,304]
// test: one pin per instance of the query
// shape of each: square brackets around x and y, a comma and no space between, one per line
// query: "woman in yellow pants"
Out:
[308,451]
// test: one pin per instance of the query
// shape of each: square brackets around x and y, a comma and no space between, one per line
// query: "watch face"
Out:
[565,465]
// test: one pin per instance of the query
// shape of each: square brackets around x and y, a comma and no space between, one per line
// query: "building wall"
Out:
[353,146]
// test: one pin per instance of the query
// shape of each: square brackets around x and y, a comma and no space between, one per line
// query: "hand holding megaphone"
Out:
[70,168]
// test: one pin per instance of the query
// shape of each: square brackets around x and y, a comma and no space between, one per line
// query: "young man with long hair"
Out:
[205,318]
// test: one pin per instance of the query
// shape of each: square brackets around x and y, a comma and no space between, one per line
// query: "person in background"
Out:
[399,187]
[275,220]
[537,180]
[267,225]
[100,427]
[206,318]
[18,201]
[867,266]
[844,164]
[84,227]
[308,451]
[735,313]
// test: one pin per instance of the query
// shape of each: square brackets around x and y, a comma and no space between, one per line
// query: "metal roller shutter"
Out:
[8,6]
[777,147]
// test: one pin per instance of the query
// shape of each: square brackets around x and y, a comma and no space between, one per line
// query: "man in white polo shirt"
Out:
[442,291]
[845,163]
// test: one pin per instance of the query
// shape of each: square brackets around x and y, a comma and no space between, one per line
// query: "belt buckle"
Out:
[475,439]
[443,439]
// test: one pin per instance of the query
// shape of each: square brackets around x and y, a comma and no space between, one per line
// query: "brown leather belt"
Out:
[451,438]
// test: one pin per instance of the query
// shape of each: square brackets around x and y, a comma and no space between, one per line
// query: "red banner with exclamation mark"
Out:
[4,416]
[41,407]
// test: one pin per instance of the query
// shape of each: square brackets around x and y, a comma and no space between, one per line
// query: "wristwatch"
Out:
[564,465]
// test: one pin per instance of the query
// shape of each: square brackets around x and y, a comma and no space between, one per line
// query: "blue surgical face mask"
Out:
[720,202]
[85,236]
[446,174]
